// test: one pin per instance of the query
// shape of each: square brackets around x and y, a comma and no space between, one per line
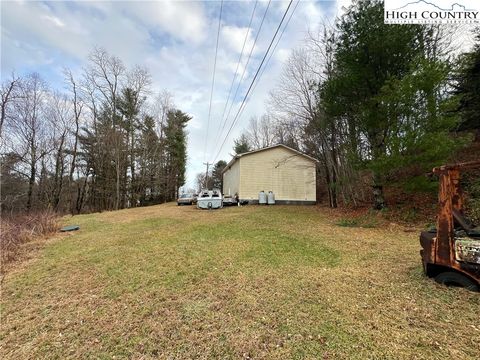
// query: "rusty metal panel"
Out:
[459,166]
[444,249]
[462,254]
[457,195]
[428,242]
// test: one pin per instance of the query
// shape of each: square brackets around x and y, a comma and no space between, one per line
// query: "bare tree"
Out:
[102,145]
[138,86]
[162,104]
[61,116]
[107,73]
[8,94]
[262,132]
[78,104]
[28,129]
[296,104]
[295,94]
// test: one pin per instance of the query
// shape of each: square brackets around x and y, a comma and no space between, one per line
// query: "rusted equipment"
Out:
[451,252]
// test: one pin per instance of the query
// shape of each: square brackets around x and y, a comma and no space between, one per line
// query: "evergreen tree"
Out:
[148,150]
[217,175]
[176,147]
[468,89]
[129,107]
[241,145]
[390,93]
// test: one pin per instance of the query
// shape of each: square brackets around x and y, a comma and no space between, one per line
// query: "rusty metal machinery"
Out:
[452,251]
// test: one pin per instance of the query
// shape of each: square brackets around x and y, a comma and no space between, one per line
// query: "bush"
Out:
[20,229]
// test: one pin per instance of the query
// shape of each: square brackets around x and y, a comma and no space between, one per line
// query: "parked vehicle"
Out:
[229,200]
[210,199]
[186,199]
[451,252]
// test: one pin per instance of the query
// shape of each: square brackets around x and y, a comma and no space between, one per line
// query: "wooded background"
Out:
[376,104]
[108,143]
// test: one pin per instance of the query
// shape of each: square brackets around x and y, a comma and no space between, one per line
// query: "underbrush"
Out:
[472,203]
[17,230]
[370,219]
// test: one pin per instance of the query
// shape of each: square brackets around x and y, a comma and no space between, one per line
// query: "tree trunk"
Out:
[378,197]
[334,202]
[117,168]
[59,169]
[5,100]
[81,194]
[73,164]
[31,180]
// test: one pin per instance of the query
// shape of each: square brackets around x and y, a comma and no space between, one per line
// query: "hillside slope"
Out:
[250,282]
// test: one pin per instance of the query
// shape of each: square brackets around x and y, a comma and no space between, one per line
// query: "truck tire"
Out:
[451,278]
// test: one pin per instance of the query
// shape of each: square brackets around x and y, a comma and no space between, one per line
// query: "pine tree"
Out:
[241,145]
[176,147]
[389,90]
[468,89]
[217,175]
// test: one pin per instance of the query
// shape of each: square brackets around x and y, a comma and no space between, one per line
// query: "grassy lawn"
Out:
[252,282]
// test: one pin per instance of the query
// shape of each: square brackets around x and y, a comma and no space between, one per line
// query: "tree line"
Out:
[108,142]
[373,102]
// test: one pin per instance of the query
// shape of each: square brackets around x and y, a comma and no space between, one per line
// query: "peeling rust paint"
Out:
[443,248]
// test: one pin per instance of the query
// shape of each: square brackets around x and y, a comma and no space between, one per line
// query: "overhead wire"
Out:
[238,66]
[213,80]
[224,120]
[253,80]
[275,47]
[271,54]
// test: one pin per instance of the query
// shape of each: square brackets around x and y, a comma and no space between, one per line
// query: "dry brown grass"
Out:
[253,282]
[17,230]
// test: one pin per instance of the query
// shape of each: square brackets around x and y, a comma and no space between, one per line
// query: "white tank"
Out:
[271,198]
[262,198]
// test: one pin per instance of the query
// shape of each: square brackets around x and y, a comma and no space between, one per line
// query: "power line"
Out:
[213,80]
[253,81]
[238,65]
[243,75]
[273,51]
[275,47]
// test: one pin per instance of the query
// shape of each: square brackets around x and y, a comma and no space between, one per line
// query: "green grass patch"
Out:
[365,221]
[348,222]
[280,282]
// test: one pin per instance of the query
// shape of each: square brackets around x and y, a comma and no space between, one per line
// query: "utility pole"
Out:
[206,174]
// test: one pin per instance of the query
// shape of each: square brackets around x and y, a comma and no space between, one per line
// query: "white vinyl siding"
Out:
[231,179]
[291,176]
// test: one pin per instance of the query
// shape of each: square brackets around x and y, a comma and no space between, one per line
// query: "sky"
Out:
[175,40]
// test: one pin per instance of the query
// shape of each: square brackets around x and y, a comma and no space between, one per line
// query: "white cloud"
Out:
[174,39]
[183,20]
[234,37]
[54,20]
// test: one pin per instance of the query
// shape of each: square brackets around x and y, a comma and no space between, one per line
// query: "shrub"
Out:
[19,229]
